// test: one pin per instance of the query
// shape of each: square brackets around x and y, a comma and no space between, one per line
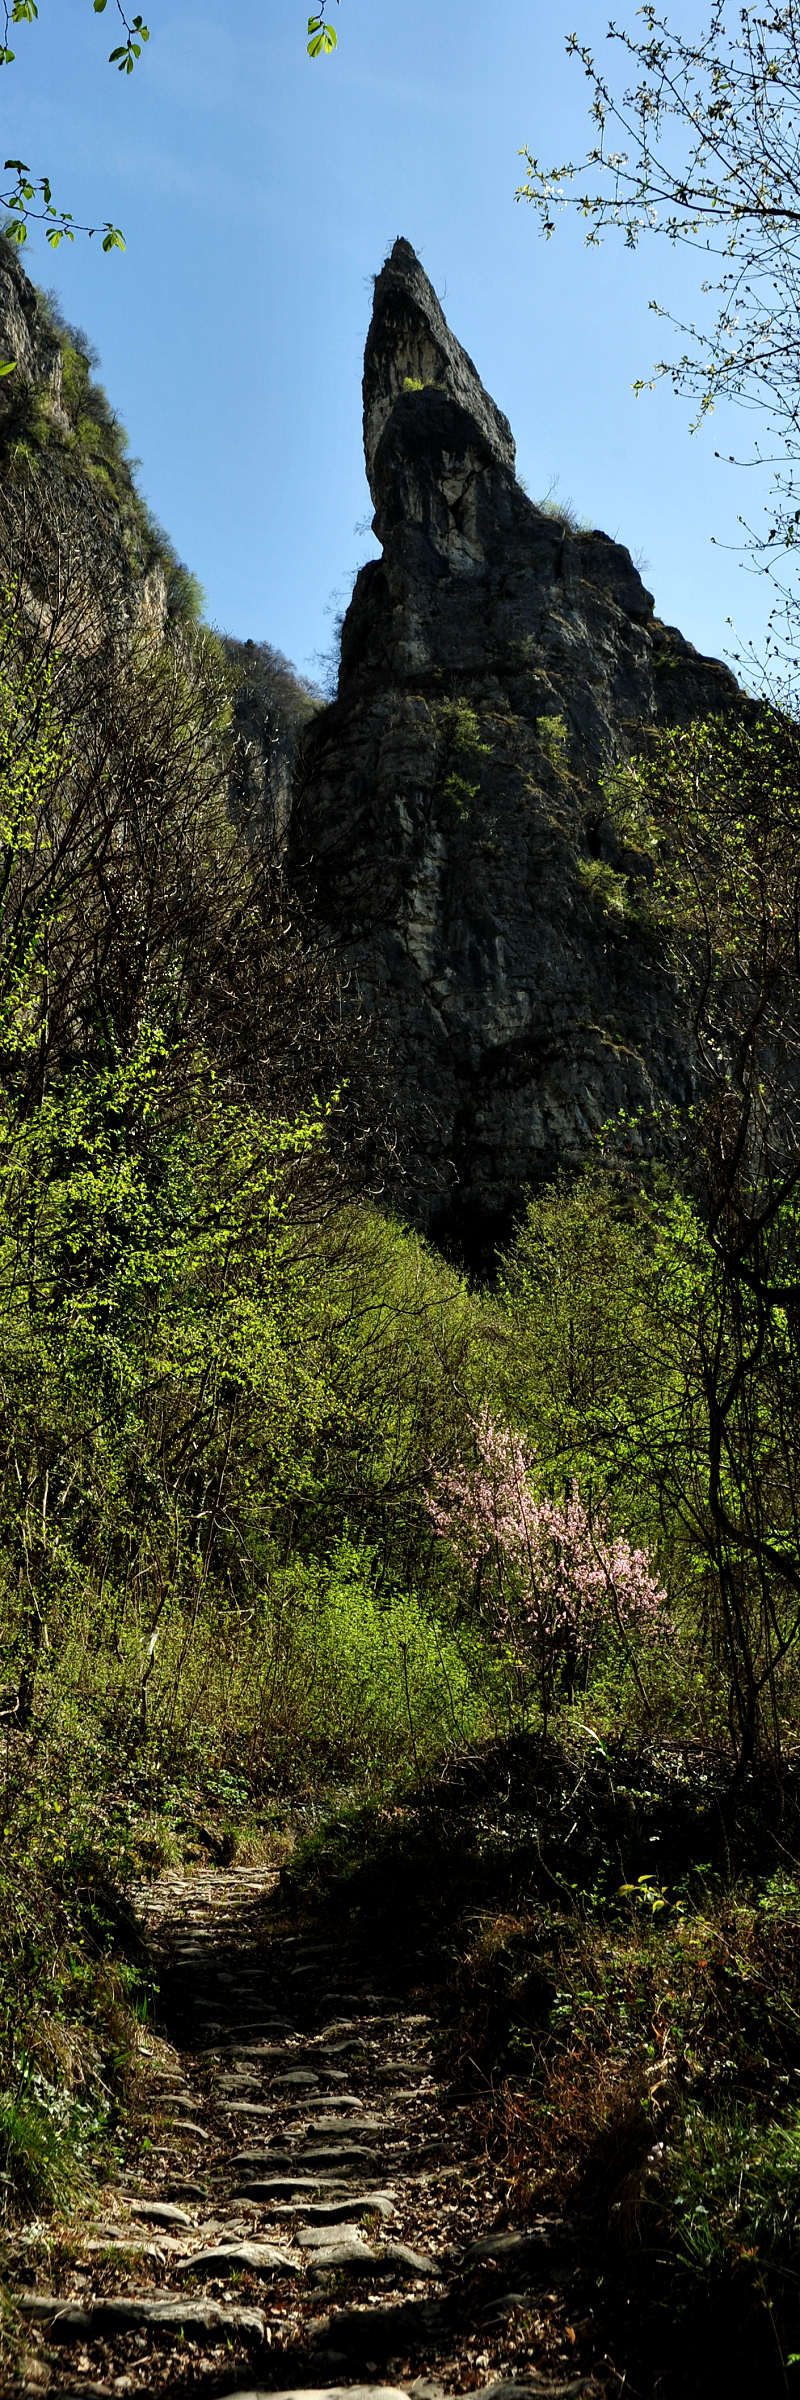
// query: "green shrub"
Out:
[630,813]
[552,735]
[185,595]
[391,1686]
[460,792]
[605,886]
[51,2142]
[732,2186]
[563,513]
[459,730]
[459,725]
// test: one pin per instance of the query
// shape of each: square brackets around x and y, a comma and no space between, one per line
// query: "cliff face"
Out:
[451,827]
[83,558]
[76,542]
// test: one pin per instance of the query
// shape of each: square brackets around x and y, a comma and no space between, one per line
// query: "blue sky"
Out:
[259,193]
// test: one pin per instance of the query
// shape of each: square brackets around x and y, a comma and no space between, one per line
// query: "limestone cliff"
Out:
[86,561]
[449,821]
[75,538]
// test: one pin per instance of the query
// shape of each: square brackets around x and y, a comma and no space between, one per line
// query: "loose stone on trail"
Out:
[360,2204]
[159,2212]
[349,2125]
[330,2391]
[277,2187]
[348,2248]
[254,2258]
[157,2312]
[337,2158]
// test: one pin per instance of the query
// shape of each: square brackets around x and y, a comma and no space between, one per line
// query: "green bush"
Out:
[51,2143]
[390,1686]
[552,735]
[732,2185]
[605,886]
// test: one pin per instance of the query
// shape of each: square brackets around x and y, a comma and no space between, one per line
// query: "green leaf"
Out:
[99,6]
[8,367]
[323,40]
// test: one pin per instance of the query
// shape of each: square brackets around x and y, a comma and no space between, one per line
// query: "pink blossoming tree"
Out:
[552,1580]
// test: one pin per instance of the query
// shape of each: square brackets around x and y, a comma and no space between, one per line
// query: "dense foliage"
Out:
[285,1505]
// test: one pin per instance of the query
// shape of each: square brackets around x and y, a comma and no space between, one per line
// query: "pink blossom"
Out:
[551,1576]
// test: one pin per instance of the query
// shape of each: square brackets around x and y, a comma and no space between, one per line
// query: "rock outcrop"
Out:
[449,824]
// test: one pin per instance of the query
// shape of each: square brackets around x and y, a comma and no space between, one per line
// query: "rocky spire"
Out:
[452,831]
[410,344]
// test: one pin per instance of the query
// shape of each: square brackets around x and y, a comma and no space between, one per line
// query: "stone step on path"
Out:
[349,2251]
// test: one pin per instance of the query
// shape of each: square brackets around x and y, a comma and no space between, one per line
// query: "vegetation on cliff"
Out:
[59,426]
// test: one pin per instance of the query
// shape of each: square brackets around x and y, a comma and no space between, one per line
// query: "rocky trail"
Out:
[304,2210]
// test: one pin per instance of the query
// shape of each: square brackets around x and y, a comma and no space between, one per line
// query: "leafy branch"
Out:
[322,37]
[126,53]
[21,199]
[699,142]
[30,199]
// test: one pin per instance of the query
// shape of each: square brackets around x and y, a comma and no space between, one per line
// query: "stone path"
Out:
[304,2213]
